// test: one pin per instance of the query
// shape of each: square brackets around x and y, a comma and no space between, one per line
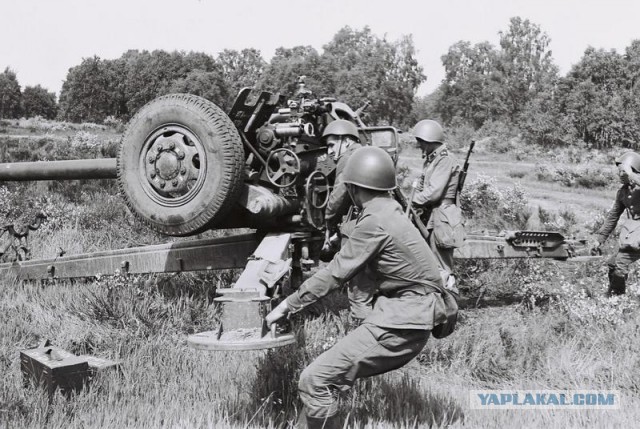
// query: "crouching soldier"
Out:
[408,289]
[627,200]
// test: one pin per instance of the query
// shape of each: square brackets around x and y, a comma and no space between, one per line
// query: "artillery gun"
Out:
[184,166]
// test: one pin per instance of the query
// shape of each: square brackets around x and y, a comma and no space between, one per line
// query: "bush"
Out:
[565,221]
[517,174]
[459,135]
[588,176]
[500,136]
[489,207]
[115,123]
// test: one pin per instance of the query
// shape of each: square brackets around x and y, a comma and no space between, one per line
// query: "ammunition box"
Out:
[53,368]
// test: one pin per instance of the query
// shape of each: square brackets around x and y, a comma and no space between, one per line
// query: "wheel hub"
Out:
[173,164]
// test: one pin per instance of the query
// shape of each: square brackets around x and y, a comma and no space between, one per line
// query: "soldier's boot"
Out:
[617,283]
[333,422]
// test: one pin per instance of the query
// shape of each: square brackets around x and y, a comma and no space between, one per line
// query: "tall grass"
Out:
[527,325]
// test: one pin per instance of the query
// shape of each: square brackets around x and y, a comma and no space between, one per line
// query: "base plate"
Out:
[239,339]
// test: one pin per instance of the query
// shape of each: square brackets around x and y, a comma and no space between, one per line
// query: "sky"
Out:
[41,39]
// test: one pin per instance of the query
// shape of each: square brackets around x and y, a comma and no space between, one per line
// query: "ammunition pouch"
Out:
[448,229]
[451,310]
[630,235]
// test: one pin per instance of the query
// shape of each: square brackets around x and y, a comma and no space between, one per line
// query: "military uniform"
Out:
[407,306]
[359,288]
[627,199]
[339,201]
[438,188]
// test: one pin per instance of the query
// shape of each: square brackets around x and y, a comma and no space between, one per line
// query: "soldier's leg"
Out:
[368,350]
[619,271]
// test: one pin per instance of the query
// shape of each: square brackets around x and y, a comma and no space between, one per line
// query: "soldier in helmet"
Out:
[408,290]
[342,139]
[436,194]
[627,199]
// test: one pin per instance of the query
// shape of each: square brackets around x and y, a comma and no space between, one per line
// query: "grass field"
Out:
[529,325]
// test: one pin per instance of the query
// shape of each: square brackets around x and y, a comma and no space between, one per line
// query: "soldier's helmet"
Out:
[341,127]
[372,168]
[632,159]
[429,131]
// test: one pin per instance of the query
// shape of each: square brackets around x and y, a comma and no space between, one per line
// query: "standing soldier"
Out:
[436,195]
[627,198]
[408,287]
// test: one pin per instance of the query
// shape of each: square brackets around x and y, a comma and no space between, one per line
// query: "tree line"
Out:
[33,101]
[515,85]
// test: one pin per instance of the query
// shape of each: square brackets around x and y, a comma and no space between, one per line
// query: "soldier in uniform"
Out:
[627,199]
[437,189]
[408,291]
[342,139]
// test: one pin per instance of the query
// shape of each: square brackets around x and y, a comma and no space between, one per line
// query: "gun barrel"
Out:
[104,168]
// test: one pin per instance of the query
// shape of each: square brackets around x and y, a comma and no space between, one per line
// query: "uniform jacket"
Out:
[404,269]
[627,198]
[440,176]
[339,200]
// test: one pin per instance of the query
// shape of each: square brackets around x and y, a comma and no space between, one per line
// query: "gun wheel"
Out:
[180,164]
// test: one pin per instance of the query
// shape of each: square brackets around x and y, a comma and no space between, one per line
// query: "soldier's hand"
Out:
[594,248]
[277,313]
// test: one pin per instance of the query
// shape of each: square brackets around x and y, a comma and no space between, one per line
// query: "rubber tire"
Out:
[224,173]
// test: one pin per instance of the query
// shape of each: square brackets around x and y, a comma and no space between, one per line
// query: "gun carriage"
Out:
[184,167]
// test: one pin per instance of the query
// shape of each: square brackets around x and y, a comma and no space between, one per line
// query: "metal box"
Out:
[54,368]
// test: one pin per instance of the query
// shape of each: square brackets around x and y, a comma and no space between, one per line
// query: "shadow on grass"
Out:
[399,401]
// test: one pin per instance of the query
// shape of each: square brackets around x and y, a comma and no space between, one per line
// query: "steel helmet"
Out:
[429,131]
[370,167]
[341,127]
[632,159]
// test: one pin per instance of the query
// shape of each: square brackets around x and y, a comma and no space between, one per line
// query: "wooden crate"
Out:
[54,368]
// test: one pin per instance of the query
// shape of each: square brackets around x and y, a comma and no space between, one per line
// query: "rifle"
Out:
[413,214]
[465,168]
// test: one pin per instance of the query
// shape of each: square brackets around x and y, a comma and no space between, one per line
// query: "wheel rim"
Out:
[173,165]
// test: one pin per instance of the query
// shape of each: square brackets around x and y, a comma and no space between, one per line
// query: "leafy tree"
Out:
[210,85]
[241,69]
[425,108]
[599,96]
[483,82]
[10,95]
[543,122]
[359,66]
[472,90]
[526,65]
[85,94]
[100,88]
[281,74]
[37,101]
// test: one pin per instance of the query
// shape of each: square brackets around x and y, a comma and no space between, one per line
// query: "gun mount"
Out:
[184,166]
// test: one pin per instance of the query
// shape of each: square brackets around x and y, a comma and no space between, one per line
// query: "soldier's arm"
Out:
[363,244]
[611,220]
[433,190]
[338,203]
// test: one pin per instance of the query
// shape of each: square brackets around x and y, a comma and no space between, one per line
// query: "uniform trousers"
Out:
[366,351]
[619,270]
